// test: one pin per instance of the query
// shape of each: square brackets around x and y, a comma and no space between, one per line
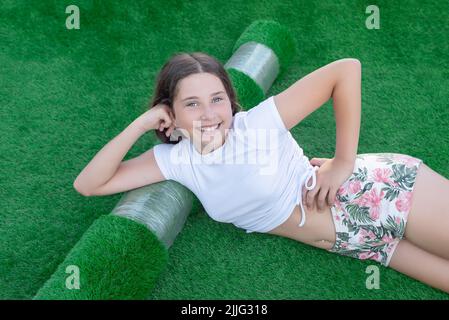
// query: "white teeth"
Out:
[209,128]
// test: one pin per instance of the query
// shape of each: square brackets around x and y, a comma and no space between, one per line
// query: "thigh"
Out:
[428,219]
[318,231]
[421,265]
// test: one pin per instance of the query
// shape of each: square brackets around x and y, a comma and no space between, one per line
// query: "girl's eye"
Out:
[195,102]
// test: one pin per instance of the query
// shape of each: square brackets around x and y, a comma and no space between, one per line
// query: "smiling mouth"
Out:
[210,129]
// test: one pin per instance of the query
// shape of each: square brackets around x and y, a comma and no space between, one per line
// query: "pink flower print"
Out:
[374,213]
[372,200]
[363,233]
[375,256]
[403,202]
[362,201]
[367,234]
[397,220]
[354,186]
[363,255]
[387,239]
[344,245]
[382,175]
[371,235]
[342,190]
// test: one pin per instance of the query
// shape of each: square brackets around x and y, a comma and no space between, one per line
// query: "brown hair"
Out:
[181,65]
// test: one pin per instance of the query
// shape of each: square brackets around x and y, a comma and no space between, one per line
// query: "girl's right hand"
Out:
[159,118]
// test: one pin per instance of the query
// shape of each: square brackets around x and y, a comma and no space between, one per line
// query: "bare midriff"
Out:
[318,231]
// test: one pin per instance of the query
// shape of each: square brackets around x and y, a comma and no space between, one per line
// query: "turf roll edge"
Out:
[115,259]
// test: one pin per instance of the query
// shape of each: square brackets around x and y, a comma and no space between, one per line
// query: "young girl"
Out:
[387,207]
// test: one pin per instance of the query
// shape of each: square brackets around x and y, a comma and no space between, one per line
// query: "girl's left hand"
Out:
[329,178]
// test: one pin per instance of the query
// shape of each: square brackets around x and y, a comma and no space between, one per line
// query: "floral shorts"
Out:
[372,206]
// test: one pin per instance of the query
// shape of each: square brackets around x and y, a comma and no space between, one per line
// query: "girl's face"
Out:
[202,101]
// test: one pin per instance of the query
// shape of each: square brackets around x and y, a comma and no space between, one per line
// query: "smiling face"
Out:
[202,101]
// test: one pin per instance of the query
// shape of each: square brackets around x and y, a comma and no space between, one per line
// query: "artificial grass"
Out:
[66,93]
[116,258]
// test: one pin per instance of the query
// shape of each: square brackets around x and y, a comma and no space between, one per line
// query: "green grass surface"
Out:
[65,93]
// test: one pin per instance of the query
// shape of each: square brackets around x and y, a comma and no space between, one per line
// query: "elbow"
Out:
[79,190]
[356,62]
[352,61]
[353,64]
[350,68]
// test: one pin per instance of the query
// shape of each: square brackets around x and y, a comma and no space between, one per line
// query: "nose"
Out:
[208,113]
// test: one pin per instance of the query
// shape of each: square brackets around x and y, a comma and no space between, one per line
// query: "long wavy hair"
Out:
[179,66]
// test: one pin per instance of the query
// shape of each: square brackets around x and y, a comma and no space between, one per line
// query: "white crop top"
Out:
[254,180]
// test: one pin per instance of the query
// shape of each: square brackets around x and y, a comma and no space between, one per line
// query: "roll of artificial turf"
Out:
[263,51]
[122,254]
[116,258]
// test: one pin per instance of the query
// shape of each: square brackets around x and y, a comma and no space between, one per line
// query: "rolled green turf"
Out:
[130,257]
[276,37]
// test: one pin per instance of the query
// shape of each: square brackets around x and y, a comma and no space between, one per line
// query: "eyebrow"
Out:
[213,94]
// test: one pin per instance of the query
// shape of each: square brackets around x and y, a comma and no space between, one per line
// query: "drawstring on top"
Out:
[304,180]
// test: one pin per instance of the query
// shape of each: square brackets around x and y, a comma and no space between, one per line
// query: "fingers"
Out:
[164,124]
[310,198]
[328,199]
[331,197]
[167,122]
[170,130]
[321,199]
[317,198]
[172,124]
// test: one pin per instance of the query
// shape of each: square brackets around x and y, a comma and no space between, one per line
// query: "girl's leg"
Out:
[421,265]
[428,221]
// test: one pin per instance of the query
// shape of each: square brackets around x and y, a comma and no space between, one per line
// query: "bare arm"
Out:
[107,174]
[339,80]
[310,92]
[347,109]
[106,162]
